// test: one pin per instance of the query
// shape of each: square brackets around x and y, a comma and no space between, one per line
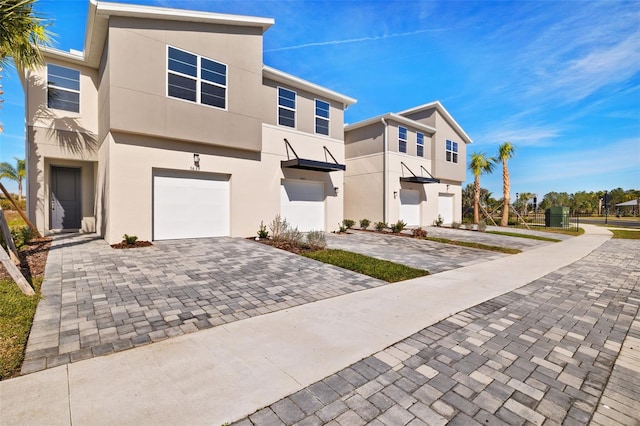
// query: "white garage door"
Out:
[302,204]
[410,206]
[445,208]
[188,206]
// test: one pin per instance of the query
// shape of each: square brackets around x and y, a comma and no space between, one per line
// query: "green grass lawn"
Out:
[480,246]
[626,234]
[376,268]
[531,237]
[16,317]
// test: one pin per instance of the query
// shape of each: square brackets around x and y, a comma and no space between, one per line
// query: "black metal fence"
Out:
[566,220]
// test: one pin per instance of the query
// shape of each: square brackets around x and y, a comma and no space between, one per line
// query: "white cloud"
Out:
[520,135]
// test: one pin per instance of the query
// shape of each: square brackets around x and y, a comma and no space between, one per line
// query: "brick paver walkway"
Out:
[98,300]
[541,354]
[432,256]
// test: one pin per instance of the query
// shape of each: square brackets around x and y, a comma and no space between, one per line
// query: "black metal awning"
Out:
[317,166]
[314,165]
[418,179]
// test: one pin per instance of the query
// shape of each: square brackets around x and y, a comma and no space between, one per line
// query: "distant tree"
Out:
[479,164]
[552,199]
[505,152]
[16,173]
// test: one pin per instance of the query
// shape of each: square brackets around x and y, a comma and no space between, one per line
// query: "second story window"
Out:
[452,151]
[420,144]
[196,79]
[63,88]
[322,117]
[402,139]
[286,107]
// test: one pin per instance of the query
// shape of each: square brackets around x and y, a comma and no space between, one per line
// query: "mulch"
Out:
[124,245]
[33,259]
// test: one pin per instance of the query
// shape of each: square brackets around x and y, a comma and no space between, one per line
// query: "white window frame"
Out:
[400,140]
[294,109]
[198,79]
[316,117]
[452,151]
[419,144]
[63,89]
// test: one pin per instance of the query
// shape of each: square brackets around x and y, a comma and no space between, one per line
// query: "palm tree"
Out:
[478,165]
[505,152]
[16,173]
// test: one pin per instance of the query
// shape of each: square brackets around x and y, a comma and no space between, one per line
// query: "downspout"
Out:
[385,173]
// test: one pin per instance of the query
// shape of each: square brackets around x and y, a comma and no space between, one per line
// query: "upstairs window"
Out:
[402,139]
[420,144]
[63,88]
[452,151]
[196,79]
[322,117]
[286,107]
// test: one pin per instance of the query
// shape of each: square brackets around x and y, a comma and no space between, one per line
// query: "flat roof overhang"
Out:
[317,166]
[419,179]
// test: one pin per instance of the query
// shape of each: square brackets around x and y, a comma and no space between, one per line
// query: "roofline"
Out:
[394,117]
[444,113]
[154,12]
[291,80]
[99,13]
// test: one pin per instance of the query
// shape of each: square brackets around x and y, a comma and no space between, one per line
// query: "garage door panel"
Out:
[302,204]
[190,207]
[410,206]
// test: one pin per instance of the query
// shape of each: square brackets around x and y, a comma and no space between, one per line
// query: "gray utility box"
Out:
[556,217]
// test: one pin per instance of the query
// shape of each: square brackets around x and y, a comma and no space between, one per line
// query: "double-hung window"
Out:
[286,107]
[402,139]
[420,144]
[63,88]
[196,79]
[322,117]
[452,151]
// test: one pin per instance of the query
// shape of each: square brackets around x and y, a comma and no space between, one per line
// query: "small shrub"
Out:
[342,229]
[455,225]
[316,240]
[21,236]
[262,232]
[482,226]
[129,239]
[439,221]
[398,226]
[419,232]
[293,236]
[348,223]
[380,226]
[278,226]
[364,223]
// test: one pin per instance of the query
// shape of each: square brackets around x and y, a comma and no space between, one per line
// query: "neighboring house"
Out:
[407,166]
[168,125]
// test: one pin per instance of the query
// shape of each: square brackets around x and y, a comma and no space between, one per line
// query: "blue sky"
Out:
[560,80]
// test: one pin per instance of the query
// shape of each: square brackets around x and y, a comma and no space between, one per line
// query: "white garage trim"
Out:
[445,208]
[190,205]
[302,204]
[410,206]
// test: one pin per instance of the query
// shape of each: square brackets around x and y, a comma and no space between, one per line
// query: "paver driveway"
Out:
[541,354]
[423,254]
[98,300]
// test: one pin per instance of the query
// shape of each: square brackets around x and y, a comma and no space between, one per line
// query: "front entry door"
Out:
[65,198]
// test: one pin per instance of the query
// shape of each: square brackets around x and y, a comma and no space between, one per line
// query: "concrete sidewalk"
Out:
[228,372]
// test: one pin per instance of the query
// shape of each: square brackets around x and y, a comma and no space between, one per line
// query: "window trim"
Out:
[419,144]
[316,117]
[400,140]
[64,89]
[198,79]
[453,151]
[294,109]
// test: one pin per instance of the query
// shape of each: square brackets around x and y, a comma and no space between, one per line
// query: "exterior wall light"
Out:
[335,189]
[196,161]
[395,194]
